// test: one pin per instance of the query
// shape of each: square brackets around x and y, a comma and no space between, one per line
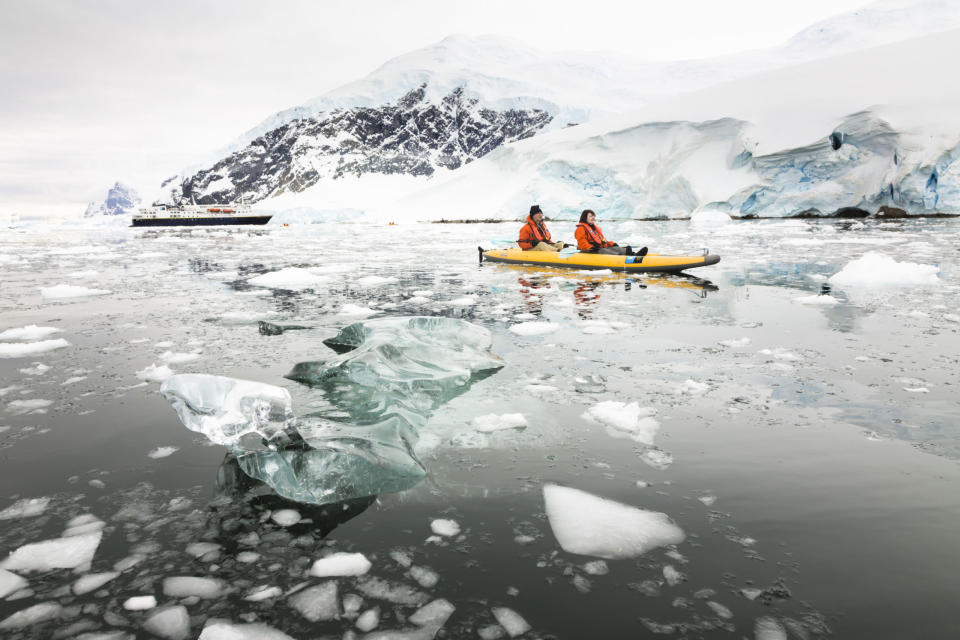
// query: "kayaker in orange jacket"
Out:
[534,235]
[590,238]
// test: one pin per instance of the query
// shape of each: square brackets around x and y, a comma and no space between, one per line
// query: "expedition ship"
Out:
[188,215]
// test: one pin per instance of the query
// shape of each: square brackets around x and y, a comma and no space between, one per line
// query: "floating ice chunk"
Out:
[720,610]
[341,564]
[707,500]
[751,593]
[657,458]
[185,586]
[631,418]
[445,527]
[317,603]
[596,568]
[170,357]
[72,380]
[433,614]
[61,553]
[951,317]
[672,576]
[248,557]
[140,603]
[25,508]
[878,270]
[351,605]
[227,409]
[19,350]
[781,354]
[368,282]
[538,328]
[824,300]
[83,274]
[401,557]
[736,342]
[369,619]
[171,623]
[263,592]
[356,311]
[397,593]
[32,615]
[767,628]
[10,583]
[286,517]
[83,524]
[38,369]
[511,621]
[29,332]
[153,373]
[92,582]
[425,577]
[917,389]
[292,278]
[163,452]
[590,525]
[63,291]
[35,405]
[221,630]
[493,422]
[692,388]
[129,562]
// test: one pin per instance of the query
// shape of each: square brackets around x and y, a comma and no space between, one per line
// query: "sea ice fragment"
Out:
[340,564]
[590,525]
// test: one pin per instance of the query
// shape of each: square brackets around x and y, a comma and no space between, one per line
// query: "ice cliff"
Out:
[367,406]
[855,134]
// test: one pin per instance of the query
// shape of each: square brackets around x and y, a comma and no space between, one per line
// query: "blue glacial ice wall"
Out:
[679,169]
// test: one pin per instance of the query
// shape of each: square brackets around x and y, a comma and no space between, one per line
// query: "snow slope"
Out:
[759,146]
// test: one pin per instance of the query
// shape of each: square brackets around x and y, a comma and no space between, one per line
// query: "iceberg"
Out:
[227,410]
[387,379]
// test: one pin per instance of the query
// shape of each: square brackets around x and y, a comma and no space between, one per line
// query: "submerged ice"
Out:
[388,378]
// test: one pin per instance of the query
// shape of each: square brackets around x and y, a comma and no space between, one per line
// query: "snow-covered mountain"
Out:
[414,136]
[864,130]
[120,199]
[432,112]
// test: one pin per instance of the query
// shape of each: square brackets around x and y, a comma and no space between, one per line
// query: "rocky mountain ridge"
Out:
[414,136]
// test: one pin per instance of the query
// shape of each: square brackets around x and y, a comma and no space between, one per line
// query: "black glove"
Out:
[567,245]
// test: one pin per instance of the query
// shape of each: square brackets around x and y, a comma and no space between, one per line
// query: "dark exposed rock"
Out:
[413,136]
[891,212]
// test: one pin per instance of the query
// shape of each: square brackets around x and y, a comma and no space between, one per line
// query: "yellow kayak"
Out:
[578,260]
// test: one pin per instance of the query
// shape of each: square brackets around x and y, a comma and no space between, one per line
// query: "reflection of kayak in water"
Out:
[578,260]
[545,274]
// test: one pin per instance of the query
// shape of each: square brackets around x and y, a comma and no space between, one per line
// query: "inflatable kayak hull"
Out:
[652,262]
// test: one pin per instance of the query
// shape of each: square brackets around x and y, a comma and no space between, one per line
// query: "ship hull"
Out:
[200,221]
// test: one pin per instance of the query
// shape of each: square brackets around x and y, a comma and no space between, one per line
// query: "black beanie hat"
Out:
[535,209]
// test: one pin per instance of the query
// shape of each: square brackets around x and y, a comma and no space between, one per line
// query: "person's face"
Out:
[538,216]
[591,218]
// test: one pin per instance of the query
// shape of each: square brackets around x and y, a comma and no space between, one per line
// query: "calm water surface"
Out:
[795,447]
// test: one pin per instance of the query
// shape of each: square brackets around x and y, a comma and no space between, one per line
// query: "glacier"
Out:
[388,378]
[791,142]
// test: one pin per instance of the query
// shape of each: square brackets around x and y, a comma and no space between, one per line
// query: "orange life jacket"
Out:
[590,238]
[530,235]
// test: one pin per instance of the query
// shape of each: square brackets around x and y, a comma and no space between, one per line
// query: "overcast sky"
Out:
[96,91]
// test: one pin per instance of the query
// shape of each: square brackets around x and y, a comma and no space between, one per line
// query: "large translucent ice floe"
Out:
[29,332]
[590,525]
[391,374]
[227,410]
